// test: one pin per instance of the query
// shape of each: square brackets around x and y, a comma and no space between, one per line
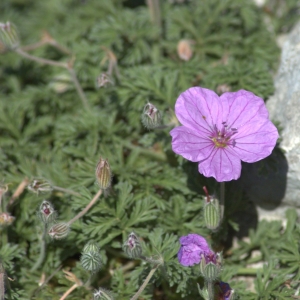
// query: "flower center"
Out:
[222,138]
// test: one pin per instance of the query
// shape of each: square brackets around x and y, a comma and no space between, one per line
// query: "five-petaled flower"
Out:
[193,248]
[220,132]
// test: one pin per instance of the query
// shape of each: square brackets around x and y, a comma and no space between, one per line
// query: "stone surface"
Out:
[284,107]
[280,189]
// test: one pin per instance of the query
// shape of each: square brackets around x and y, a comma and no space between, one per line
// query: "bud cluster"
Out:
[91,260]
[132,246]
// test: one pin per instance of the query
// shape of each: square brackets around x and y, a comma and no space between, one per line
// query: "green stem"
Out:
[222,198]
[135,297]
[42,251]
[154,9]
[210,290]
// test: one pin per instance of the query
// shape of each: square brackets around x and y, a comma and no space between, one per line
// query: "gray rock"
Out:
[280,190]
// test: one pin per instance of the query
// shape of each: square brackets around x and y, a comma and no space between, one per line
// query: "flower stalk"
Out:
[143,286]
[85,210]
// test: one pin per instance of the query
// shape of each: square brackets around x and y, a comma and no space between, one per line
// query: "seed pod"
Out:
[103,174]
[212,216]
[59,231]
[40,186]
[151,116]
[132,246]
[91,261]
[46,212]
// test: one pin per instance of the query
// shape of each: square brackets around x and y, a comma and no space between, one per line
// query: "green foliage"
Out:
[46,132]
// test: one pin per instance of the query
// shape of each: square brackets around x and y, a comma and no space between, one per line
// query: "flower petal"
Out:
[256,140]
[242,107]
[222,164]
[190,144]
[198,108]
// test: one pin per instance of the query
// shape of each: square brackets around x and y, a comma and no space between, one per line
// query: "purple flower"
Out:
[224,291]
[193,246]
[220,132]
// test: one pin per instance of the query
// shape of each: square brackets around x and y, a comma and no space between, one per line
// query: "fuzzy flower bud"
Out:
[59,231]
[212,212]
[151,116]
[91,261]
[9,39]
[46,212]
[103,294]
[210,266]
[103,174]
[6,219]
[132,246]
[40,186]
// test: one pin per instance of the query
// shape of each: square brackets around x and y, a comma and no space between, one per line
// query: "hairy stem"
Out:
[67,191]
[42,251]
[210,290]
[222,198]
[154,9]
[143,286]
[58,64]
[84,211]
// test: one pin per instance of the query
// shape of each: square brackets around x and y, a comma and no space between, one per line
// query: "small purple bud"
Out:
[46,212]
[223,291]
[151,116]
[132,246]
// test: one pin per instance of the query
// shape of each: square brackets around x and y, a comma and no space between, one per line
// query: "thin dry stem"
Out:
[69,291]
[136,296]
[93,201]
[20,189]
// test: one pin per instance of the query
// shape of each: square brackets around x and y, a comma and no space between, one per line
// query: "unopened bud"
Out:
[212,212]
[91,261]
[104,80]
[132,246]
[184,50]
[46,212]
[40,186]
[103,174]
[9,39]
[103,294]
[6,219]
[151,116]
[59,231]
[91,247]
[210,268]
[61,83]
